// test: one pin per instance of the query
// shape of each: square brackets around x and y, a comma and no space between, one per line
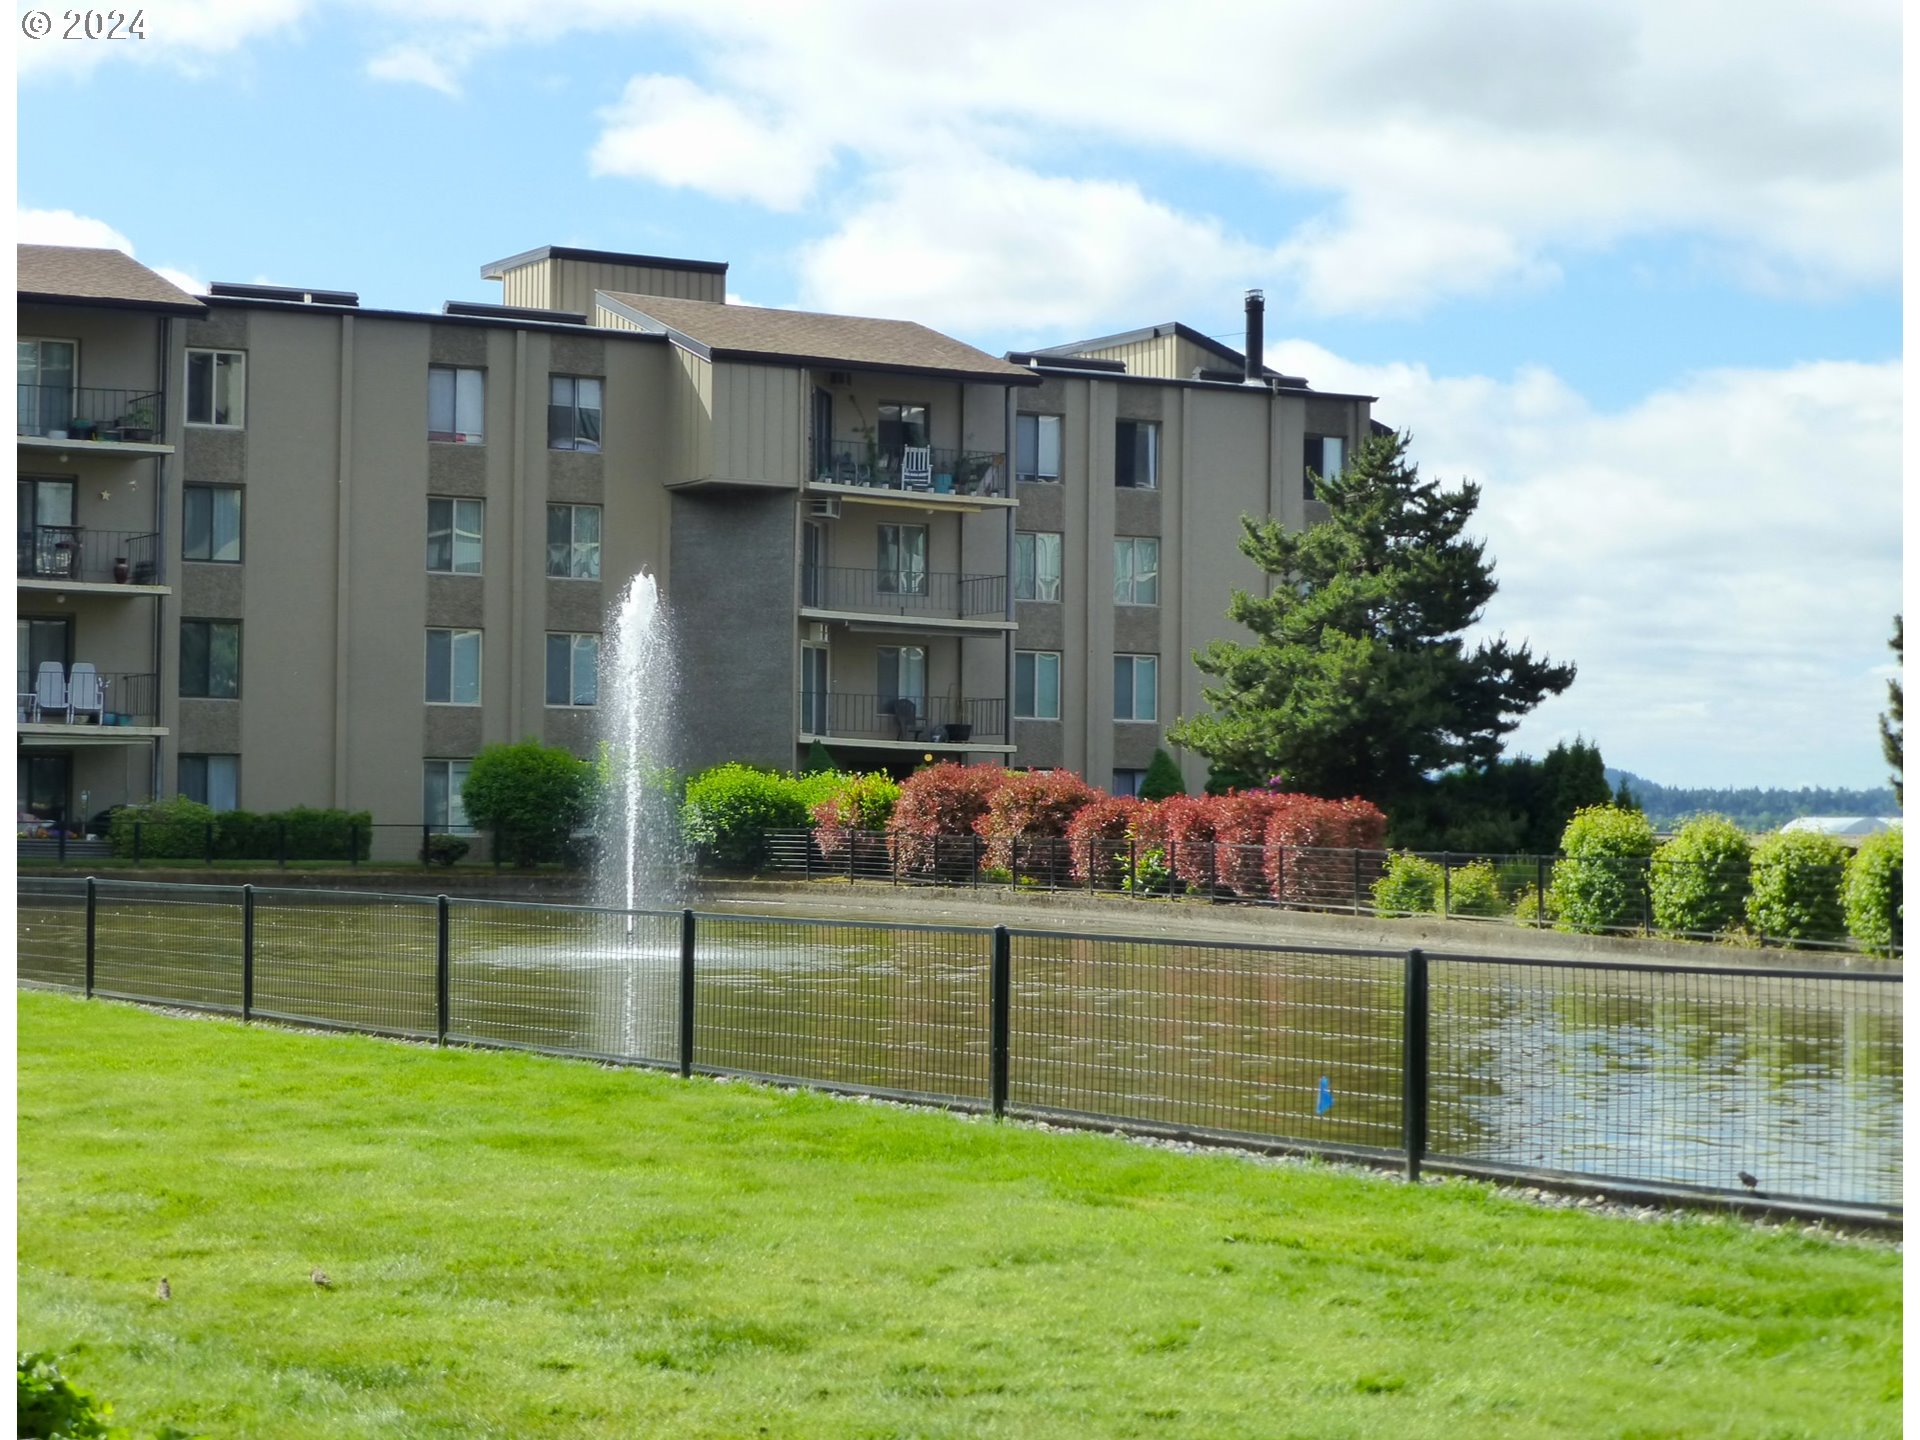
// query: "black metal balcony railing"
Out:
[888,717]
[954,472]
[124,700]
[914,594]
[74,412]
[75,552]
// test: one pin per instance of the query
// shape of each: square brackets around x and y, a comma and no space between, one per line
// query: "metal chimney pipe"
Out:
[1256,336]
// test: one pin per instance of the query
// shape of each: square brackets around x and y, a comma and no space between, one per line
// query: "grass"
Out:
[523,1246]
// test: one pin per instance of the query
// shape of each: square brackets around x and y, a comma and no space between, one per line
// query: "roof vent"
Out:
[291,293]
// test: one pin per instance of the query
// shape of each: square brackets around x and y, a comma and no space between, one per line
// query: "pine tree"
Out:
[819,760]
[1162,779]
[1358,681]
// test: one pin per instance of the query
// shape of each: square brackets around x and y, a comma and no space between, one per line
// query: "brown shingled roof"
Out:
[749,332]
[97,277]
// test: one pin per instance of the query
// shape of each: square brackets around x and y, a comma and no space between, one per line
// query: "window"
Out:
[1128,782]
[1136,681]
[210,523]
[454,536]
[573,542]
[902,676]
[1036,685]
[1036,565]
[456,402]
[37,641]
[217,388]
[443,808]
[573,413]
[213,780]
[453,667]
[210,659]
[1136,571]
[47,369]
[901,426]
[1136,456]
[1326,457]
[1037,446]
[573,669]
[903,560]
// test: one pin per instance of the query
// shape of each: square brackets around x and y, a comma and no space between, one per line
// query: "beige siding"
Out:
[574,282]
[606,319]
[530,285]
[691,420]
[1154,357]
[759,425]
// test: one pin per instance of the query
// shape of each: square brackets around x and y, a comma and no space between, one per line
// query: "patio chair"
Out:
[916,468]
[906,720]
[86,694]
[50,690]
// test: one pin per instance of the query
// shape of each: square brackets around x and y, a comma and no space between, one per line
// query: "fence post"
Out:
[851,847]
[1446,883]
[281,843]
[246,952]
[209,842]
[1540,892]
[136,843]
[60,840]
[442,970]
[1413,1064]
[1000,1007]
[1356,879]
[807,850]
[686,993]
[353,842]
[1646,897]
[92,911]
[426,841]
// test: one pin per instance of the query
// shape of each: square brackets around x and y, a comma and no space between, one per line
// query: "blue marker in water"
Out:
[1325,1101]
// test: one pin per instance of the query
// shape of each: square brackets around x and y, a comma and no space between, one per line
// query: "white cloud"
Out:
[415,65]
[64,227]
[668,130]
[1722,560]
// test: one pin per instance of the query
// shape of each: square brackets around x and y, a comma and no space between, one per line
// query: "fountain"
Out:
[639,865]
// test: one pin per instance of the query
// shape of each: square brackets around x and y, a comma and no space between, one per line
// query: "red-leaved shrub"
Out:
[933,819]
[856,815]
[1103,839]
[1033,805]
[1310,842]
[1183,824]
[1240,840]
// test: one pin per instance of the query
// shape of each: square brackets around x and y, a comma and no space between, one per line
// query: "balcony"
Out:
[890,720]
[918,596]
[68,555]
[856,464]
[129,710]
[68,417]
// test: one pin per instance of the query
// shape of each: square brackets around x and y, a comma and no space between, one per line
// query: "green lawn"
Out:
[524,1246]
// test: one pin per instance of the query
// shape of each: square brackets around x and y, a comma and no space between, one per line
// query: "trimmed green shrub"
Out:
[173,829]
[1700,878]
[1162,778]
[818,760]
[1475,890]
[1796,887]
[1873,904]
[532,796]
[1411,886]
[1527,908]
[444,850]
[1601,885]
[730,808]
[310,834]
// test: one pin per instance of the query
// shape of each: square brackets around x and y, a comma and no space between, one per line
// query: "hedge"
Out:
[1601,885]
[730,808]
[937,803]
[176,829]
[1796,887]
[1700,878]
[1873,902]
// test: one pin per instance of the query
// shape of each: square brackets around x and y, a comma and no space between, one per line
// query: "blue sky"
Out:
[1634,267]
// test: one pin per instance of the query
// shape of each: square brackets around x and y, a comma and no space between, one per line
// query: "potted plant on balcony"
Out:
[956,732]
[137,424]
[78,429]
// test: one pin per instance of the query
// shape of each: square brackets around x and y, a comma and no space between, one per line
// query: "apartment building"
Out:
[371,542]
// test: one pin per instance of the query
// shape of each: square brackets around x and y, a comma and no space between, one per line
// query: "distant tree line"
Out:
[1750,807]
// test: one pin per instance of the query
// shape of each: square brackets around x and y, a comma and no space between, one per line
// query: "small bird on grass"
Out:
[163,1291]
[322,1279]
[1751,1182]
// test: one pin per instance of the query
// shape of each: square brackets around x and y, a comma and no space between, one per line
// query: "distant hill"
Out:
[1750,808]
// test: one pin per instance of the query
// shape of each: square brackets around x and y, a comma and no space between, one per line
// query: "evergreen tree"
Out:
[819,760]
[1358,681]
[1162,778]
[1892,723]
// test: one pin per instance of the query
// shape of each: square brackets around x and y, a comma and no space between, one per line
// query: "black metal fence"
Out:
[1766,1088]
[1618,896]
